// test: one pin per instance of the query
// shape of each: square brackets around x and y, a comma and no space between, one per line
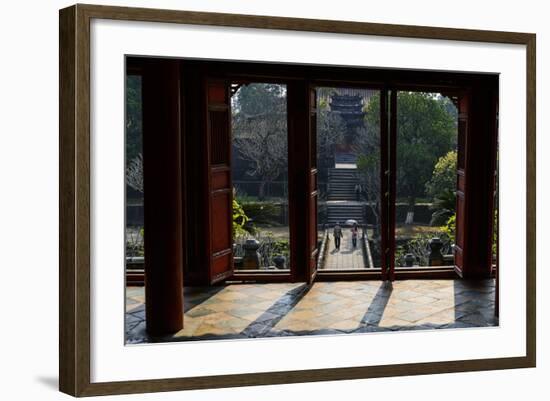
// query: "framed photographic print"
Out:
[250,200]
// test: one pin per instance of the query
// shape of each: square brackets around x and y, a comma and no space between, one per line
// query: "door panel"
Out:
[312,187]
[392,144]
[460,233]
[220,197]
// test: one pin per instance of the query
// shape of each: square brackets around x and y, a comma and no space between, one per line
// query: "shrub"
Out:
[419,246]
[239,219]
[262,212]
[444,176]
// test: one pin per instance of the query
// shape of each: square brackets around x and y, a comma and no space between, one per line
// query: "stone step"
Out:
[343,170]
[350,176]
[337,177]
[344,214]
[343,179]
[341,198]
[342,185]
[344,210]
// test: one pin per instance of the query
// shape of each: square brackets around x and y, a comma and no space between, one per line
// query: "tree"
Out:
[368,166]
[330,131]
[442,188]
[260,131]
[444,175]
[425,132]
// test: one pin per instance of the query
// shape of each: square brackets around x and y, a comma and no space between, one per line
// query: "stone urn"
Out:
[251,258]
[409,260]
[436,257]
[279,261]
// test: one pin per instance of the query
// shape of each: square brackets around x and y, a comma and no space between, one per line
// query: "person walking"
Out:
[358,191]
[354,233]
[337,232]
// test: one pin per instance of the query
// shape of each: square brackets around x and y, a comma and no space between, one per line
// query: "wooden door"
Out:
[388,157]
[460,228]
[220,188]
[392,184]
[312,193]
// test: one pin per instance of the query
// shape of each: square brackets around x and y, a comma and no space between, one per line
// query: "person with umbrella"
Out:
[354,233]
[337,232]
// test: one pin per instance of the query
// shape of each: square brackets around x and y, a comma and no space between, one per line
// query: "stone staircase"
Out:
[345,158]
[340,212]
[341,182]
[341,200]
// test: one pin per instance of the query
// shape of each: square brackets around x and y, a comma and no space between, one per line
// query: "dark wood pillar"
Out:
[162,197]
[298,111]
[302,180]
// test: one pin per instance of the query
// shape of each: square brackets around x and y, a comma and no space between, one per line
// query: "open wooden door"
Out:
[312,193]
[392,185]
[388,148]
[220,189]
[460,238]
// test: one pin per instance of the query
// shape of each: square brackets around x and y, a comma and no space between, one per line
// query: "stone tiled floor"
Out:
[269,310]
[347,257]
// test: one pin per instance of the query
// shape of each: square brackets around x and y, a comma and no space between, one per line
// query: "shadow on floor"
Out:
[376,309]
[273,315]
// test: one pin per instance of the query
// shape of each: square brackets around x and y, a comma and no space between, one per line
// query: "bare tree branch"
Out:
[134,173]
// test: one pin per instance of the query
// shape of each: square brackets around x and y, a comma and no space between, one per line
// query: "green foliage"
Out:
[368,162]
[426,132]
[495,233]
[444,176]
[262,212]
[444,207]
[281,247]
[134,242]
[419,247]
[450,228]
[239,219]
[269,248]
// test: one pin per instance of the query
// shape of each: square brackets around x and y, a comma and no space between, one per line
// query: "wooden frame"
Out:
[75,338]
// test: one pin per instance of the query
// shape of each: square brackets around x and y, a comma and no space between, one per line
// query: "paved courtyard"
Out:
[237,311]
[347,257]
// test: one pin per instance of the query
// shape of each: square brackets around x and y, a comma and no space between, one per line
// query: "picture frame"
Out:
[75,339]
